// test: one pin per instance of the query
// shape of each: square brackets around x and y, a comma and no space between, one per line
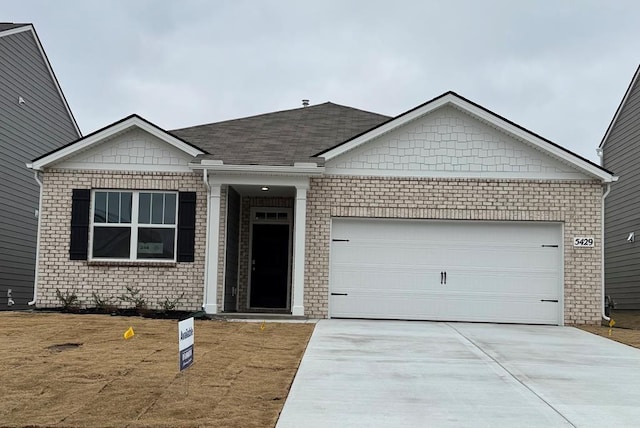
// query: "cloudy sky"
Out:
[558,68]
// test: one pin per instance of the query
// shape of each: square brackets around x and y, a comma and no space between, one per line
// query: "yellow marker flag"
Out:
[262,326]
[129,333]
[612,323]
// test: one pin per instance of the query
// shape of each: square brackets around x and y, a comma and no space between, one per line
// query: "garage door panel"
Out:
[404,252]
[401,304]
[496,271]
[503,257]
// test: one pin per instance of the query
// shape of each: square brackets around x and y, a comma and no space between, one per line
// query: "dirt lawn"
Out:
[626,329]
[240,377]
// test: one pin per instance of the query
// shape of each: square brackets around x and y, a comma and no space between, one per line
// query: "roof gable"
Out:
[131,150]
[451,99]
[131,143]
[448,142]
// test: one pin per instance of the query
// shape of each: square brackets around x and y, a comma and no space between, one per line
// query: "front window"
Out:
[134,225]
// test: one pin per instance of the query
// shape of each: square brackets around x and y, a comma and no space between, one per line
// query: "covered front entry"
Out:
[256,245]
[446,270]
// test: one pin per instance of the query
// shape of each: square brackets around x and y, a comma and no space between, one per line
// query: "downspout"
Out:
[205,176]
[35,278]
[604,195]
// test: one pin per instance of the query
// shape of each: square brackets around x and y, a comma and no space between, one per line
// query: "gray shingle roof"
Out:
[4,26]
[280,138]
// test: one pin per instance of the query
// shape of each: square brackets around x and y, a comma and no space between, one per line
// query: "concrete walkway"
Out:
[359,373]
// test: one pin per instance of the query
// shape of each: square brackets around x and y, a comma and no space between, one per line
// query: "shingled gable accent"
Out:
[97,137]
[479,112]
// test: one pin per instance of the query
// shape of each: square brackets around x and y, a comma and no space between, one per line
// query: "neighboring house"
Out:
[445,212]
[34,118]
[620,152]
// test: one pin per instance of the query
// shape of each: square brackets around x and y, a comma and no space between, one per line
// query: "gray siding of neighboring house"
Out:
[621,155]
[27,131]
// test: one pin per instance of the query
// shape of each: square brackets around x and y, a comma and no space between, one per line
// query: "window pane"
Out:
[113,207]
[169,208]
[155,243]
[111,242]
[144,215]
[100,207]
[125,207]
[156,207]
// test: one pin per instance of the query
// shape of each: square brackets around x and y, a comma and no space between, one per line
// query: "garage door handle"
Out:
[339,294]
[549,300]
[441,277]
[445,277]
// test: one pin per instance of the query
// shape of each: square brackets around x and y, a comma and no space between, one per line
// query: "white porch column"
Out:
[211,258]
[300,220]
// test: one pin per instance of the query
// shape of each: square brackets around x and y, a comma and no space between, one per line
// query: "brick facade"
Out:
[576,204]
[156,281]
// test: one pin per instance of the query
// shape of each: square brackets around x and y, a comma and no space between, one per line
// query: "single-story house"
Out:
[445,212]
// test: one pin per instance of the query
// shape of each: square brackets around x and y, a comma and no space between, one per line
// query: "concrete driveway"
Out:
[431,374]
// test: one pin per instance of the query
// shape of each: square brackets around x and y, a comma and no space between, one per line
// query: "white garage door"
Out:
[446,270]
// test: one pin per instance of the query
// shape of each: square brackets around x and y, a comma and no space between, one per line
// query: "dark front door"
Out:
[269,266]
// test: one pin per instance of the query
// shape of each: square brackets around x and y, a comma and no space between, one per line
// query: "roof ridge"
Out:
[276,112]
[245,117]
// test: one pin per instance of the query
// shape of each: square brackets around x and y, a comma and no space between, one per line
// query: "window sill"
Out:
[131,263]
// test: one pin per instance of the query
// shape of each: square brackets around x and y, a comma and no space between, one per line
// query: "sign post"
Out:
[185,343]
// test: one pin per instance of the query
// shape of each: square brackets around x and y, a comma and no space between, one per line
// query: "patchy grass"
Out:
[77,371]
[626,329]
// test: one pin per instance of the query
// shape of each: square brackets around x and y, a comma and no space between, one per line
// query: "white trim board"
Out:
[108,132]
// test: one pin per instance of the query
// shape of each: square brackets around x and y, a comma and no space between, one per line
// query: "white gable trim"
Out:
[618,110]
[474,110]
[108,132]
[30,28]
[455,174]
[302,169]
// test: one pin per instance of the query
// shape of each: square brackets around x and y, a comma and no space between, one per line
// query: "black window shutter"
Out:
[186,226]
[80,201]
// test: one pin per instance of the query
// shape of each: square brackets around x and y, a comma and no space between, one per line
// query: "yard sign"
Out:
[185,342]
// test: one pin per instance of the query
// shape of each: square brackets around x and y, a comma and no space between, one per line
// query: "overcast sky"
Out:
[558,68]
